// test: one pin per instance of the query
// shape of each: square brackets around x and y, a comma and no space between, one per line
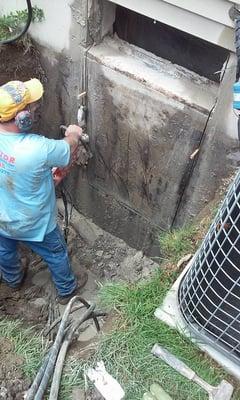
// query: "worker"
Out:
[27,193]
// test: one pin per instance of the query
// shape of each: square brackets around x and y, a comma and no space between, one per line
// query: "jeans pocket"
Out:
[54,241]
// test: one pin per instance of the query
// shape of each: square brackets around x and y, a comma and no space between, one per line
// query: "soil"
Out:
[20,62]
[12,381]
[18,305]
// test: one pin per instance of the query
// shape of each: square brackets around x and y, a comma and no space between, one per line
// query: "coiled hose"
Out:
[54,360]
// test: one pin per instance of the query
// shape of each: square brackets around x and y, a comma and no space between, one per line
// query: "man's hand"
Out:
[72,135]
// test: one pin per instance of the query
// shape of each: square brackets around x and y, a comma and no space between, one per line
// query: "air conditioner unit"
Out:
[209,293]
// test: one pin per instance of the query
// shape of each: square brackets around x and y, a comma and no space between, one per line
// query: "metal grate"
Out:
[209,294]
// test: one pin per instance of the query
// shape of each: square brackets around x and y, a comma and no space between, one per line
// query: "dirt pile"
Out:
[21,305]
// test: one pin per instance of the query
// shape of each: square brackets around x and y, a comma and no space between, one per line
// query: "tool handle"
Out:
[173,362]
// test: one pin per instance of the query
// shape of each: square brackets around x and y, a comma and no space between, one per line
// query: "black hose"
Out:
[66,215]
[237,44]
[37,393]
[56,380]
[29,20]
[66,331]
[37,380]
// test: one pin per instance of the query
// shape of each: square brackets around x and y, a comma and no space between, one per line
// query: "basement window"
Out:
[179,47]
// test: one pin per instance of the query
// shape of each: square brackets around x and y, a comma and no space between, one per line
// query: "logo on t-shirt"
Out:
[6,161]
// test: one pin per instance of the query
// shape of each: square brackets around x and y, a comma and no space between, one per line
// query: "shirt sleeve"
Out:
[58,153]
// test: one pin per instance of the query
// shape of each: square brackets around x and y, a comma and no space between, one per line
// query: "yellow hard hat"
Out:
[16,95]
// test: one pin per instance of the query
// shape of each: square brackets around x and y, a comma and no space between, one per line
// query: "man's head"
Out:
[19,101]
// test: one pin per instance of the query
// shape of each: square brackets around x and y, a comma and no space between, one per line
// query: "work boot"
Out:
[81,282]
[19,285]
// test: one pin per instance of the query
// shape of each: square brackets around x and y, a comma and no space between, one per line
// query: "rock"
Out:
[89,333]
[184,260]
[78,394]
[41,278]
[3,392]
[112,265]
[146,273]
[99,253]
[139,267]
[94,395]
[39,302]
[138,256]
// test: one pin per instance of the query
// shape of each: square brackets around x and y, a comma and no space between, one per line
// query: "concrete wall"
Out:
[146,117]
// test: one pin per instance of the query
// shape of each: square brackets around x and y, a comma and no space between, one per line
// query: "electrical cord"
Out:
[29,20]
[53,362]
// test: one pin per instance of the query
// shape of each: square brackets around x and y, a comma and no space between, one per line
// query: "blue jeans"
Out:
[52,249]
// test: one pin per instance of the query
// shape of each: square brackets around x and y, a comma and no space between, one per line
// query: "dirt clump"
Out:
[22,304]
[13,384]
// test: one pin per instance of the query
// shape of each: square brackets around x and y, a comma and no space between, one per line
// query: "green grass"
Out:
[26,343]
[126,350]
[12,23]
[179,242]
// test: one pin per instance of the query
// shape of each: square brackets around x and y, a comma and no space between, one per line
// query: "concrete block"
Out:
[146,118]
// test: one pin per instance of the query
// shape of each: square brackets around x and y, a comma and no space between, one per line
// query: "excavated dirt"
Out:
[20,62]
[19,305]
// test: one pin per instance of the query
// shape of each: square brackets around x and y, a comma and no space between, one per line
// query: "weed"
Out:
[178,242]
[14,22]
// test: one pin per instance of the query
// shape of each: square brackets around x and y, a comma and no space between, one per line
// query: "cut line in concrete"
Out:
[170,313]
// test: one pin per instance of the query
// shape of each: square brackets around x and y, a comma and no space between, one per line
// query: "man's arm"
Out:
[72,136]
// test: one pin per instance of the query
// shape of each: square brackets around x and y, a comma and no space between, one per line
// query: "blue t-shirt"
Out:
[27,193]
